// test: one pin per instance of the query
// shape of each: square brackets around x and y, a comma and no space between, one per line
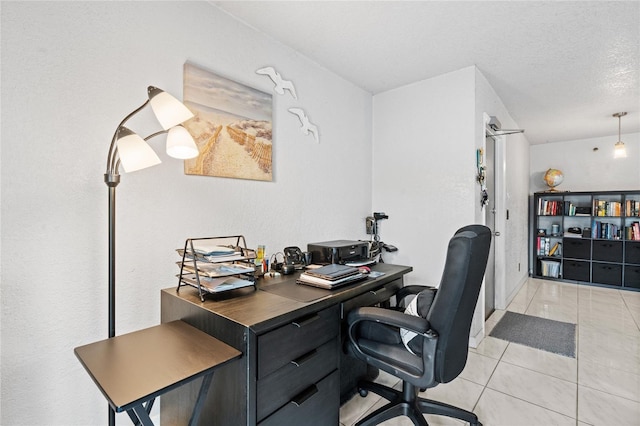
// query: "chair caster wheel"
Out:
[363,392]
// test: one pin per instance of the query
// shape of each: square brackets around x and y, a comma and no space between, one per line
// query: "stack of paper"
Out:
[216,285]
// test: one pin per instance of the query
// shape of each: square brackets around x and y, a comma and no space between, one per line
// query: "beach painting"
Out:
[231,126]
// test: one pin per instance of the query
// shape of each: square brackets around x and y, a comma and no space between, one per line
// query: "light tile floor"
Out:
[509,384]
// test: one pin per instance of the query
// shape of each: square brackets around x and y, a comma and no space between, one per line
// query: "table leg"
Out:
[141,413]
[134,418]
[202,395]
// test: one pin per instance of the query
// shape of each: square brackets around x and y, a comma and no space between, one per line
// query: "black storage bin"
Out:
[576,248]
[608,251]
[606,273]
[632,252]
[575,270]
[632,276]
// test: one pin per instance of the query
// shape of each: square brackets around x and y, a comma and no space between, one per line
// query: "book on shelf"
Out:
[604,230]
[568,234]
[549,207]
[632,208]
[632,232]
[607,208]
[569,209]
[550,268]
[544,246]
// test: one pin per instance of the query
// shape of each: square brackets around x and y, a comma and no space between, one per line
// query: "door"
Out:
[490,221]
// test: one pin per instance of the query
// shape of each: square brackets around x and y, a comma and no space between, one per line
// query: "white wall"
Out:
[585,169]
[424,162]
[70,72]
[425,138]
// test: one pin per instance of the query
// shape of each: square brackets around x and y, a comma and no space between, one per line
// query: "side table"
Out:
[133,369]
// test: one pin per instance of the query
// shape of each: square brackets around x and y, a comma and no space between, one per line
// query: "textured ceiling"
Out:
[561,68]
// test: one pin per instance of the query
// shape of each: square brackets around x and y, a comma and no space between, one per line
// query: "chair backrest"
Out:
[452,309]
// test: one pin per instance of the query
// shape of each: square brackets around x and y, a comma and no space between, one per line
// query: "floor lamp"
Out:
[133,153]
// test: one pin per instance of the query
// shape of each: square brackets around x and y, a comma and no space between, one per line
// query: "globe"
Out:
[553,178]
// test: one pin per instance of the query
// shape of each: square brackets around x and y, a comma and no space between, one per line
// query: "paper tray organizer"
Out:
[216,264]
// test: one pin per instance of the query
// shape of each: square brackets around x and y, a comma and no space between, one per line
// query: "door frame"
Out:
[499,173]
[489,216]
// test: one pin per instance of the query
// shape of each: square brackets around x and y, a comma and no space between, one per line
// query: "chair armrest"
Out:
[409,290]
[389,317]
[398,361]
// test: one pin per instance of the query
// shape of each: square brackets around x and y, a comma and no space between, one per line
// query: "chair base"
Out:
[407,403]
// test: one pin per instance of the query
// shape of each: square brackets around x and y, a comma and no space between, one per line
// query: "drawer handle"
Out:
[304,358]
[304,395]
[373,292]
[306,321]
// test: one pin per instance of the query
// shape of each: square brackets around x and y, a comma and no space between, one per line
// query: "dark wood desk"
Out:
[292,370]
[133,369]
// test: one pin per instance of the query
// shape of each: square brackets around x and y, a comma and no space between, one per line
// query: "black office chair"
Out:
[439,350]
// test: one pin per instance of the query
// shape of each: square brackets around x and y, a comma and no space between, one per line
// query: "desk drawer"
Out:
[284,384]
[372,297]
[279,347]
[317,405]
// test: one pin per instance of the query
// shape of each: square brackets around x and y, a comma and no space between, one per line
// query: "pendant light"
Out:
[619,151]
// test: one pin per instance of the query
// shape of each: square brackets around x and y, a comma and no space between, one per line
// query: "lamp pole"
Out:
[112,179]
[136,155]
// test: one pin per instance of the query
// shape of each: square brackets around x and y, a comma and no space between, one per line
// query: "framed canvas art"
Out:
[231,126]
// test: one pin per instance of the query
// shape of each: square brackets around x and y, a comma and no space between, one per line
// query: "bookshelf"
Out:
[587,237]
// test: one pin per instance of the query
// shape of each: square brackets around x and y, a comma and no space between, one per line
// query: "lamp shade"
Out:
[619,150]
[180,144]
[134,152]
[168,110]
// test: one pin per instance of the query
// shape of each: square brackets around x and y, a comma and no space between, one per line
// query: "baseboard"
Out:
[514,292]
[474,341]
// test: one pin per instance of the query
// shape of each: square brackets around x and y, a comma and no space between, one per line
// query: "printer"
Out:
[338,251]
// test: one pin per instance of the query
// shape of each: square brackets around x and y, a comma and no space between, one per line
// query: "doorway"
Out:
[490,222]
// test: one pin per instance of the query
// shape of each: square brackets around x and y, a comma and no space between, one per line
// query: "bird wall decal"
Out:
[307,126]
[281,84]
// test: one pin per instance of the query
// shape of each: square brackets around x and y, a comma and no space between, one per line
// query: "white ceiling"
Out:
[561,68]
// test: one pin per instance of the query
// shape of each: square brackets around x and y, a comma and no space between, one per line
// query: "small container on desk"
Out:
[216,264]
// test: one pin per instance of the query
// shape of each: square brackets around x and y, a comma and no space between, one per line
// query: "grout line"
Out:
[545,374]
[534,404]
[633,318]
[578,359]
